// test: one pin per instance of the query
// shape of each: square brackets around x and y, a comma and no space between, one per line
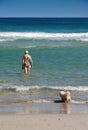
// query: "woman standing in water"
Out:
[27,62]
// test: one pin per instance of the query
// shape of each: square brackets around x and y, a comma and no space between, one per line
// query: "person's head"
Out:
[26,52]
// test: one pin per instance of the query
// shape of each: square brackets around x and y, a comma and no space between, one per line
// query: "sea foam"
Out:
[59,88]
[9,36]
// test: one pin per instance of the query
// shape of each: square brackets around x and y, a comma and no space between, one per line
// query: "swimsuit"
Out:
[26,63]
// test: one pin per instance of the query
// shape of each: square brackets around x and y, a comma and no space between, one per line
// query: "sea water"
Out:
[59,49]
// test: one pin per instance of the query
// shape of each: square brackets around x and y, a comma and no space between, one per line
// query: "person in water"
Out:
[27,62]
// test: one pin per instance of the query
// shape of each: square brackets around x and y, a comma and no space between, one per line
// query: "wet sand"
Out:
[43,106]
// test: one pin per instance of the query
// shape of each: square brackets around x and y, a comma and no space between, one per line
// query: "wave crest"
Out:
[28,88]
[11,36]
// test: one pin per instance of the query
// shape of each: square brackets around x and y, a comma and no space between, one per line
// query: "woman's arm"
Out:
[30,60]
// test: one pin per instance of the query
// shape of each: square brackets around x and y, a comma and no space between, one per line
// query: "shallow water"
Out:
[59,50]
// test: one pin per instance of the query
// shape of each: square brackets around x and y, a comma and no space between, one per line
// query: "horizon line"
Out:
[42,17]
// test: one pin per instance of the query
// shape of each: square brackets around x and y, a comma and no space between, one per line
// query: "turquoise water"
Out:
[59,48]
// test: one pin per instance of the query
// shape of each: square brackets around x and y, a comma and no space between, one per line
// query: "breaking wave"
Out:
[12,36]
[28,88]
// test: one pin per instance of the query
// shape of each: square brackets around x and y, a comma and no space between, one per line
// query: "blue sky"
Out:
[43,8]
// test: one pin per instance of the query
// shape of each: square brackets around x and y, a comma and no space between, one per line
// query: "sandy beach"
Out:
[45,116]
[44,122]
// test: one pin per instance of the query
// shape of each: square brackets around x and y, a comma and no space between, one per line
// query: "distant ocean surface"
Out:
[59,49]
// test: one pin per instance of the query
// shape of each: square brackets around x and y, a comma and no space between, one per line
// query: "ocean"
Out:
[59,49]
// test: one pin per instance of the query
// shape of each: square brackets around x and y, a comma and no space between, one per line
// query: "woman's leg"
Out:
[28,69]
[25,70]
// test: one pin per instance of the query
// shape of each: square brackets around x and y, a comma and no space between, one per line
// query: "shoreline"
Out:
[42,106]
[43,115]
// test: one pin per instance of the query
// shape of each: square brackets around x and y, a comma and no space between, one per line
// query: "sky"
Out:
[43,8]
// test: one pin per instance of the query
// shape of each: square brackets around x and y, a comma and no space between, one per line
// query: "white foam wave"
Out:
[70,88]
[8,36]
